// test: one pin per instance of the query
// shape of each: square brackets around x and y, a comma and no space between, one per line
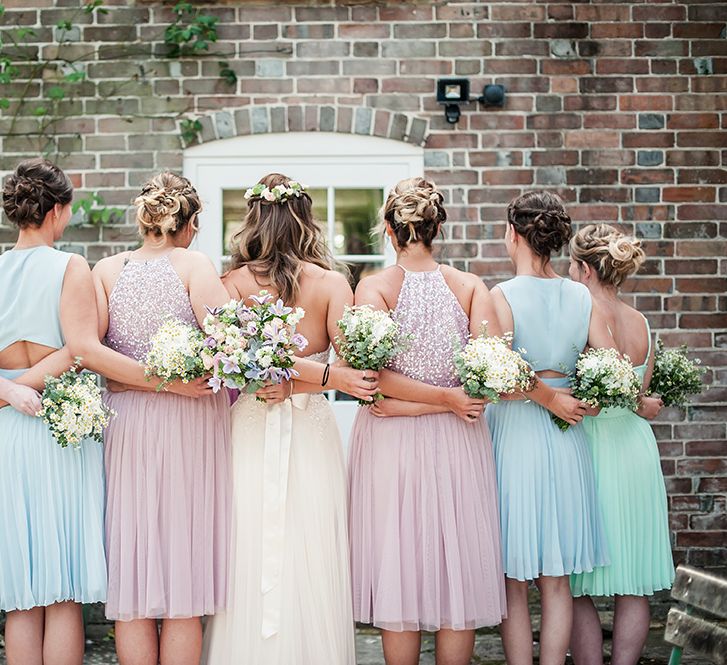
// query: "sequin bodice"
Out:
[429,311]
[146,294]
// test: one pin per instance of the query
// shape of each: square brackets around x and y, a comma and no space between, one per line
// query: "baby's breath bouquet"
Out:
[73,409]
[369,339]
[250,347]
[489,367]
[675,376]
[174,353]
[604,379]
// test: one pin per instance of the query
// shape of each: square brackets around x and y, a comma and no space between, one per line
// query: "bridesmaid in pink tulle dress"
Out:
[425,539]
[167,453]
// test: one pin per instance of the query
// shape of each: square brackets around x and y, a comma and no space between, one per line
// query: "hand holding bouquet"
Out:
[604,379]
[675,376]
[489,367]
[369,339]
[73,409]
[174,353]
[250,347]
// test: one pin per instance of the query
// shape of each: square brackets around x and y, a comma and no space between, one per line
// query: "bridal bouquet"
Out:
[369,339]
[489,367]
[604,379]
[249,347]
[675,376]
[174,353]
[73,409]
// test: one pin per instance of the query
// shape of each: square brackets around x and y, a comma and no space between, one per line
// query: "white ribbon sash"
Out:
[276,461]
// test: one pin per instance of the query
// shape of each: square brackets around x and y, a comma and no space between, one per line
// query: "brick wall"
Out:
[618,106]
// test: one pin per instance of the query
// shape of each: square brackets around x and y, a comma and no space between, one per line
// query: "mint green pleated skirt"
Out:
[632,496]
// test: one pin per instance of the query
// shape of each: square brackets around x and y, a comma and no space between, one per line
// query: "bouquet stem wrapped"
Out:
[369,339]
[73,409]
[604,379]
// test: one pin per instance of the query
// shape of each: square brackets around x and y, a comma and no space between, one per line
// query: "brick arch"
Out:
[361,120]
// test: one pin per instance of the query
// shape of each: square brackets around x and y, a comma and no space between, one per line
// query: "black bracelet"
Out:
[326,373]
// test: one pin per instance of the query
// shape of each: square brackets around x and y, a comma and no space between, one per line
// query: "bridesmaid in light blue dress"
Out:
[550,520]
[51,522]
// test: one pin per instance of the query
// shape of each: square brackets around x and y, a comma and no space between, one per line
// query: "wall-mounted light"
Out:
[453,92]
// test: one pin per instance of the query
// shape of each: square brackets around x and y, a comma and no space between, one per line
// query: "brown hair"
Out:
[277,237]
[166,204]
[415,211]
[540,218]
[33,189]
[612,254]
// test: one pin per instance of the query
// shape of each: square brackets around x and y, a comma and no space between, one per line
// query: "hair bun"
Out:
[415,211]
[32,190]
[541,219]
[167,203]
[612,254]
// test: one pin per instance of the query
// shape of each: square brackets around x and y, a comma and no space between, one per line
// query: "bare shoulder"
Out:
[453,275]
[334,280]
[191,257]
[109,264]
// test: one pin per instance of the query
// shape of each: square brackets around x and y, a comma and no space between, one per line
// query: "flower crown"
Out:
[278,194]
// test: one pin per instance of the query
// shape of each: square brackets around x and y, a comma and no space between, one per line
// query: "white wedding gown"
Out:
[289,591]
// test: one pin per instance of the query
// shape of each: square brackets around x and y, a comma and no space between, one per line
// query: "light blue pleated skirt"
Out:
[51,516]
[549,513]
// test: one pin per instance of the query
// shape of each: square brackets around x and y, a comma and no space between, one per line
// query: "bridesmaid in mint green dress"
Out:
[629,481]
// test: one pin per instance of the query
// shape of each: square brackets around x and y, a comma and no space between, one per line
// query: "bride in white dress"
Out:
[289,591]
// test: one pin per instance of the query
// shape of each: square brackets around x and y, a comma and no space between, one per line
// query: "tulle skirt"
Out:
[289,586]
[549,513]
[51,521]
[632,495]
[167,514]
[425,538]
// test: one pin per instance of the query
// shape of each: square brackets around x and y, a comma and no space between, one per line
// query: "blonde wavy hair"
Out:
[614,255]
[414,210]
[276,238]
[166,204]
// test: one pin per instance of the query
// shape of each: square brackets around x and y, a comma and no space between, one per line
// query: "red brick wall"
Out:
[619,106]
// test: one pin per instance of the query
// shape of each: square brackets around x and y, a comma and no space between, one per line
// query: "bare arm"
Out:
[483,309]
[205,286]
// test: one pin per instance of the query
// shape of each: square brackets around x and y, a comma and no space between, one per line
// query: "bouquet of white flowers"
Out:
[604,379]
[369,339]
[73,409]
[249,347]
[489,367]
[174,353]
[675,376]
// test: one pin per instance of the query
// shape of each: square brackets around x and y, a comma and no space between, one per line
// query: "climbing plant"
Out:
[42,88]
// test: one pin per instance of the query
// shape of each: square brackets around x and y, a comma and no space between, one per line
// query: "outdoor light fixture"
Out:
[453,92]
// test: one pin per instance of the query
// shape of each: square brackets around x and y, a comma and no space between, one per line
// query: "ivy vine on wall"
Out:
[41,88]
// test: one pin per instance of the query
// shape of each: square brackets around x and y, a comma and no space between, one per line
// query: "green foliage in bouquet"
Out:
[675,376]
[73,409]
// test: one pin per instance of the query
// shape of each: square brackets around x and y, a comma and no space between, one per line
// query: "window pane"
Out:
[234,209]
[356,211]
[320,206]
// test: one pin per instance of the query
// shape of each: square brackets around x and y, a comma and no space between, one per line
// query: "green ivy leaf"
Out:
[56,93]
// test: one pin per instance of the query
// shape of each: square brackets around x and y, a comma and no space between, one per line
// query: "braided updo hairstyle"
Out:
[32,190]
[166,204]
[415,211]
[612,254]
[540,218]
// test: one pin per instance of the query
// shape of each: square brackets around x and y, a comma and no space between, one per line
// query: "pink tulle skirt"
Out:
[168,505]
[424,529]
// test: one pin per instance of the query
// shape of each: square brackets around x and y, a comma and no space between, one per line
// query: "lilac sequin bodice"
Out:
[146,294]
[431,313]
